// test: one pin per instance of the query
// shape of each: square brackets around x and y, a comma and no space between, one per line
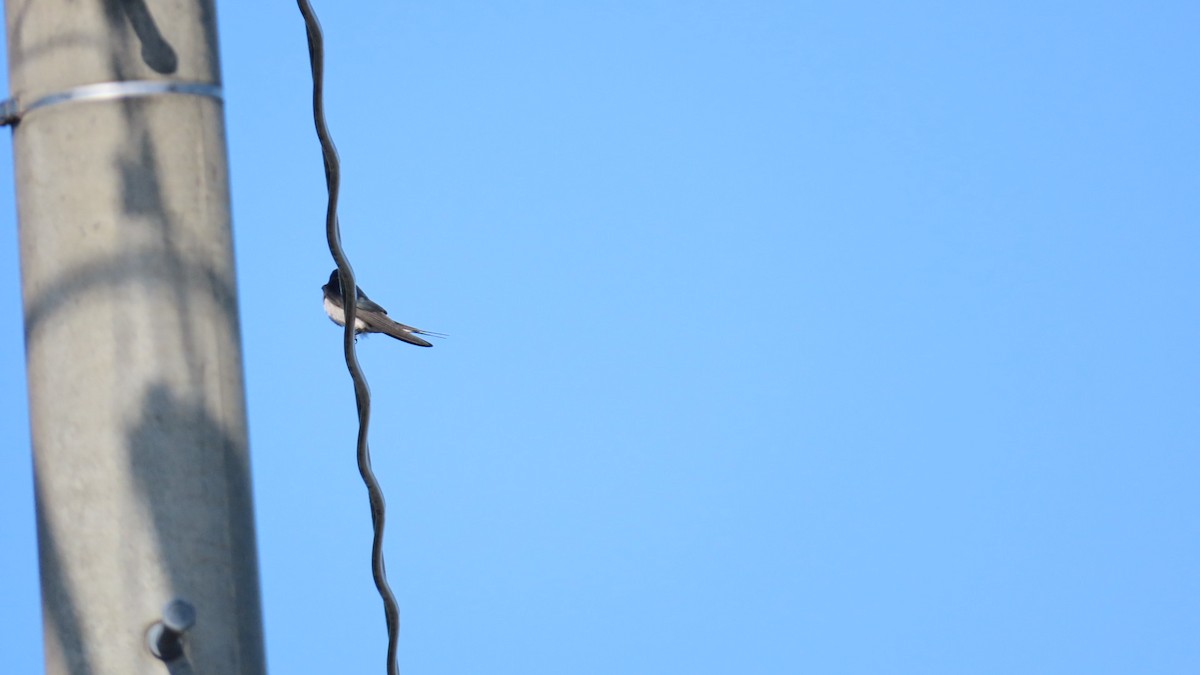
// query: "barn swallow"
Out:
[369,317]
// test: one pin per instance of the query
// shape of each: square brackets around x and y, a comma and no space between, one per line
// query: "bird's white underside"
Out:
[339,316]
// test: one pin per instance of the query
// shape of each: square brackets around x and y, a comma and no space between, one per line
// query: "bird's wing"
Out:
[366,304]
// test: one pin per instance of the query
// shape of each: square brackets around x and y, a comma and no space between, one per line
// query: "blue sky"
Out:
[785,337]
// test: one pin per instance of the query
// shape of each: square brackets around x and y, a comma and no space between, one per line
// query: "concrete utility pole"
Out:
[132,338]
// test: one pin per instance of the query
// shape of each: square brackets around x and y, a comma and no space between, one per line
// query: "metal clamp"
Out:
[11,110]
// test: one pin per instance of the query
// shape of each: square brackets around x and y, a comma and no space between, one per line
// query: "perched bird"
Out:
[369,317]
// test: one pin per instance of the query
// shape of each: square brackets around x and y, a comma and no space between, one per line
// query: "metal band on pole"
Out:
[12,110]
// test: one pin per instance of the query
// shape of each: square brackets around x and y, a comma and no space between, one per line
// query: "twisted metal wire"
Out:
[362,394]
